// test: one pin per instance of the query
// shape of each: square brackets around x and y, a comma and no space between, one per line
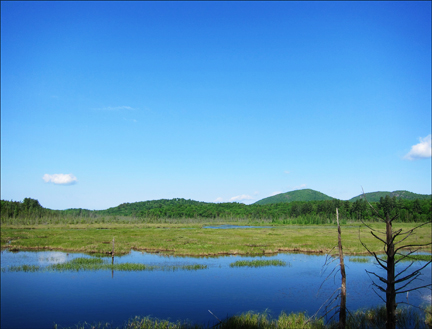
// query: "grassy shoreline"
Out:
[364,318]
[193,240]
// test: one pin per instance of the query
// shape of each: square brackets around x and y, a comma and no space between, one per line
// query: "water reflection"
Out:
[49,258]
[37,300]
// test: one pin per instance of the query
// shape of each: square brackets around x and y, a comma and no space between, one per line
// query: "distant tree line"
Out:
[306,212]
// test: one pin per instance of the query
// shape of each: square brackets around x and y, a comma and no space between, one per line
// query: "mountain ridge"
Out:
[402,194]
[297,195]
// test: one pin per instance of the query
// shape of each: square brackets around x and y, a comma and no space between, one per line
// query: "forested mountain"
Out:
[298,195]
[375,196]
[136,208]
[301,212]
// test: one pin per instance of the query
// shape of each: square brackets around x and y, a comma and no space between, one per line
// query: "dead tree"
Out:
[394,283]
[342,311]
[340,292]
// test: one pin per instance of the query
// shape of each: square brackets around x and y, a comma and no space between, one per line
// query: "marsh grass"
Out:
[360,259]
[248,320]
[406,317]
[411,258]
[258,263]
[190,239]
[253,320]
[98,264]
[362,319]
[23,268]
[428,318]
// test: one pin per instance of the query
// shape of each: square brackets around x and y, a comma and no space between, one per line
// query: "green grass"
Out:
[359,259]
[97,264]
[411,258]
[196,241]
[361,319]
[376,318]
[428,319]
[248,320]
[23,268]
[257,263]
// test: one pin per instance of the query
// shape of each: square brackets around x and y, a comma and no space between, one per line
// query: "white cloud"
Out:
[241,197]
[63,179]
[299,187]
[218,200]
[275,193]
[421,150]
[286,172]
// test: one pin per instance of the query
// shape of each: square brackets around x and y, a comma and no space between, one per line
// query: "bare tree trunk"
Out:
[342,311]
[390,291]
[112,259]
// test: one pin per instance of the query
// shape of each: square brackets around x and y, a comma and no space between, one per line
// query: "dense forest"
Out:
[298,212]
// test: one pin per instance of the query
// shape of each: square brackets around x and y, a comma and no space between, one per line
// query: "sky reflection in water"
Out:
[38,300]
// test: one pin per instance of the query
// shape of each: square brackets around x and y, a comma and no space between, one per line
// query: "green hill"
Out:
[375,196]
[128,209]
[299,195]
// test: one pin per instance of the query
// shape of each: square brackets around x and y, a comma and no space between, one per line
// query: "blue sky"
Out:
[111,102]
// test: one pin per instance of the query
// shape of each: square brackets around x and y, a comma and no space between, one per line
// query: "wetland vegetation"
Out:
[176,226]
[98,264]
[196,241]
[360,319]
[307,227]
[258,263]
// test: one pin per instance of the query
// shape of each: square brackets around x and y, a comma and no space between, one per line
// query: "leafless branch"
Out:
[393,218]
[406,237]
[364,196]
[378,295]
[412,274]
[405,255]
[370,227]
[380,261]
[379,238]
[413,278]
[379,277]
[413,245]
[406,268]
[327,303]
[416,288]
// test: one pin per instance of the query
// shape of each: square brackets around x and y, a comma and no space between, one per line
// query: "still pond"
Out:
[40,298]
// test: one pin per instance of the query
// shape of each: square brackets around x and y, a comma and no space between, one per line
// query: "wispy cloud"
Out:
[241,197]
[275,193]
[131,120]
[218,200]
[116,108]
[299,187]
[62,179]
[286,172]
[421,150]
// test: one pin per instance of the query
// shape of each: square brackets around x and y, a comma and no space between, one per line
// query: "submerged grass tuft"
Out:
[359,259]
[258,263]
[98,264]
[24,268]
[86,261]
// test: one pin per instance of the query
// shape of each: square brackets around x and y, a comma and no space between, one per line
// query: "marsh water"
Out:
[40,299]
